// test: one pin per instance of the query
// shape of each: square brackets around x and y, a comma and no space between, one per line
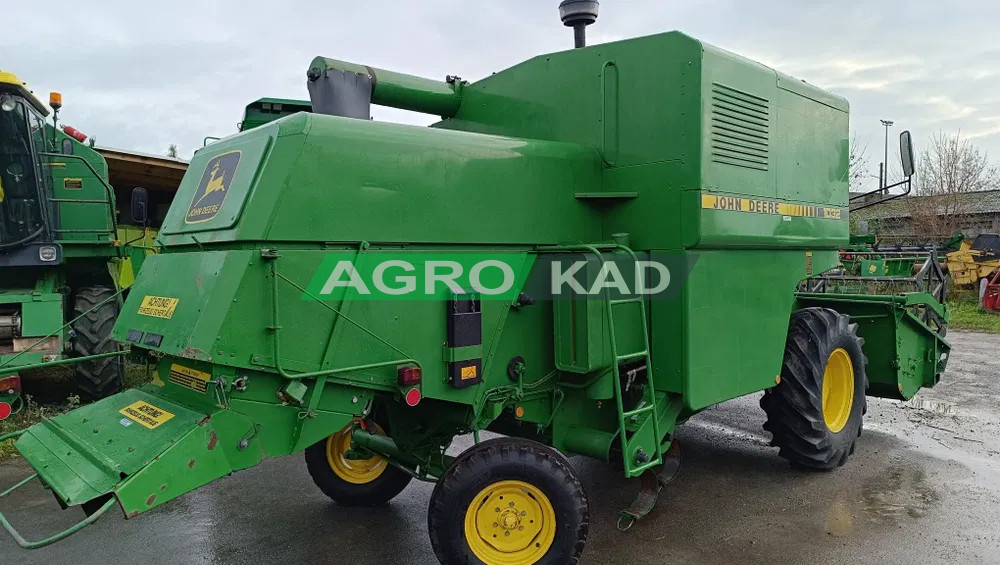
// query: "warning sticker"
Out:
[189,378]
[468,372]
[158,307]
[145,414]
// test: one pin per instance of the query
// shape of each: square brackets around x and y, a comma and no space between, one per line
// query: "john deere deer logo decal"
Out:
[213,188]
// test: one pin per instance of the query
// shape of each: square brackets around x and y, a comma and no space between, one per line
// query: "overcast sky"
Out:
[143,75]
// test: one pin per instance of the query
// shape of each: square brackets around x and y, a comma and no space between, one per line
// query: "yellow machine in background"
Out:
[974,261]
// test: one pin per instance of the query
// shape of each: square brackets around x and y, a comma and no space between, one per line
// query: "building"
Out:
[159,175]
[915,219]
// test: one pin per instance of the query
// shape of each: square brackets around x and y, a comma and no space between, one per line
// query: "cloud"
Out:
[142,76]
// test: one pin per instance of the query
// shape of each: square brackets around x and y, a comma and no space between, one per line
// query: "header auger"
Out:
[660,150]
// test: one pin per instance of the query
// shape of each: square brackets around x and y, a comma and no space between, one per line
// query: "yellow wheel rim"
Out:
[838,390]
[510,523]
[355,471]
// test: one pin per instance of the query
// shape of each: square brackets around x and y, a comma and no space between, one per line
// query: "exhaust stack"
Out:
[578,14]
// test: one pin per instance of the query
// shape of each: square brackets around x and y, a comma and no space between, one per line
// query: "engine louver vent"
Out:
[740,128]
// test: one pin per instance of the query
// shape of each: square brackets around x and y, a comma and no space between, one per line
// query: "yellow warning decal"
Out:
[158,307]
[145,414]
[756,206]
[468,372]
[189,378]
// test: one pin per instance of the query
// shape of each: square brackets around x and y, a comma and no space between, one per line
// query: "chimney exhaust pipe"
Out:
[578,14]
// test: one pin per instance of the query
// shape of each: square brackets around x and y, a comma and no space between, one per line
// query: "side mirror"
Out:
[140,205]
[906,153]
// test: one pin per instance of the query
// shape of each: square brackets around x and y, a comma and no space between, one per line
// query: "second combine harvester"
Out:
[660,146]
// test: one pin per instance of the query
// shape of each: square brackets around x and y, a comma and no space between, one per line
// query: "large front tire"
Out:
[815,412]
[508,501]
[353,482]
[92,336]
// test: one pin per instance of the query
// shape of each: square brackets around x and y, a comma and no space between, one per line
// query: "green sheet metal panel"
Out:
[42,315]
[85,453]
[220,179]
[903,353]
[383,181]
[389,182]
[80,222]
[733,341]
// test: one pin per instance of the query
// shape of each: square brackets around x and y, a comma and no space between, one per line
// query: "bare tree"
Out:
[858,168]
[172,151]
[949,169]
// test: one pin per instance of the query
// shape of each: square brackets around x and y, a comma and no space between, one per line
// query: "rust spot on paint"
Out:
[195,353]
[163,488]
[131,515]
[198,281]
[151,500]
[213,440]
[205,420]
[191,464]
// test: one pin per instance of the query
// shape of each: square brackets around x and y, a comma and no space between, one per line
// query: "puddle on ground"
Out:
[839,520]
[901,493]
[933,406]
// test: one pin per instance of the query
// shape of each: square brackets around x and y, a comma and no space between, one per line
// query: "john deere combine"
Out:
[364,292]
[58,290]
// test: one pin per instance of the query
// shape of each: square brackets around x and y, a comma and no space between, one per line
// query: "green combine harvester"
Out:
[364,292]
[61,262]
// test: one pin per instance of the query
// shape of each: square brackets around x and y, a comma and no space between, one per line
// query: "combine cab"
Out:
[59,296]
[64,257]
[579,273]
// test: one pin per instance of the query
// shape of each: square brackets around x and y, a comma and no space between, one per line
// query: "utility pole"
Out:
[884,174]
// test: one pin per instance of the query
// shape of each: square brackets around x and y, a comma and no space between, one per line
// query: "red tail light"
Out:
[413,397]
[409,376]
[10,385]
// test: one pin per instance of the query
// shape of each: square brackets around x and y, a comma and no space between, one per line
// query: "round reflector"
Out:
[5,410]
[413,397]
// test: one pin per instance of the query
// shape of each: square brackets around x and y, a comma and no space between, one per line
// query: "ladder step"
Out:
[625,301]
[630,356]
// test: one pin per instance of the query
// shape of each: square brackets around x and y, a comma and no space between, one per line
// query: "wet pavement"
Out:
[923,487]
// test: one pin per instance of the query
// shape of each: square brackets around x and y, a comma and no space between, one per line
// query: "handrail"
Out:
[107,187]
[24,240]
[67,361]
[907,182]
[21,541]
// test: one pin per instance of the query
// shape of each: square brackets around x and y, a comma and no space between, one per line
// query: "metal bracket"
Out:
[248,437]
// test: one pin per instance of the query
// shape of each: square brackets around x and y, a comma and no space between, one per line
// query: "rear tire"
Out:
[101,377]
[815,412]
[508,500]
[353,482]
